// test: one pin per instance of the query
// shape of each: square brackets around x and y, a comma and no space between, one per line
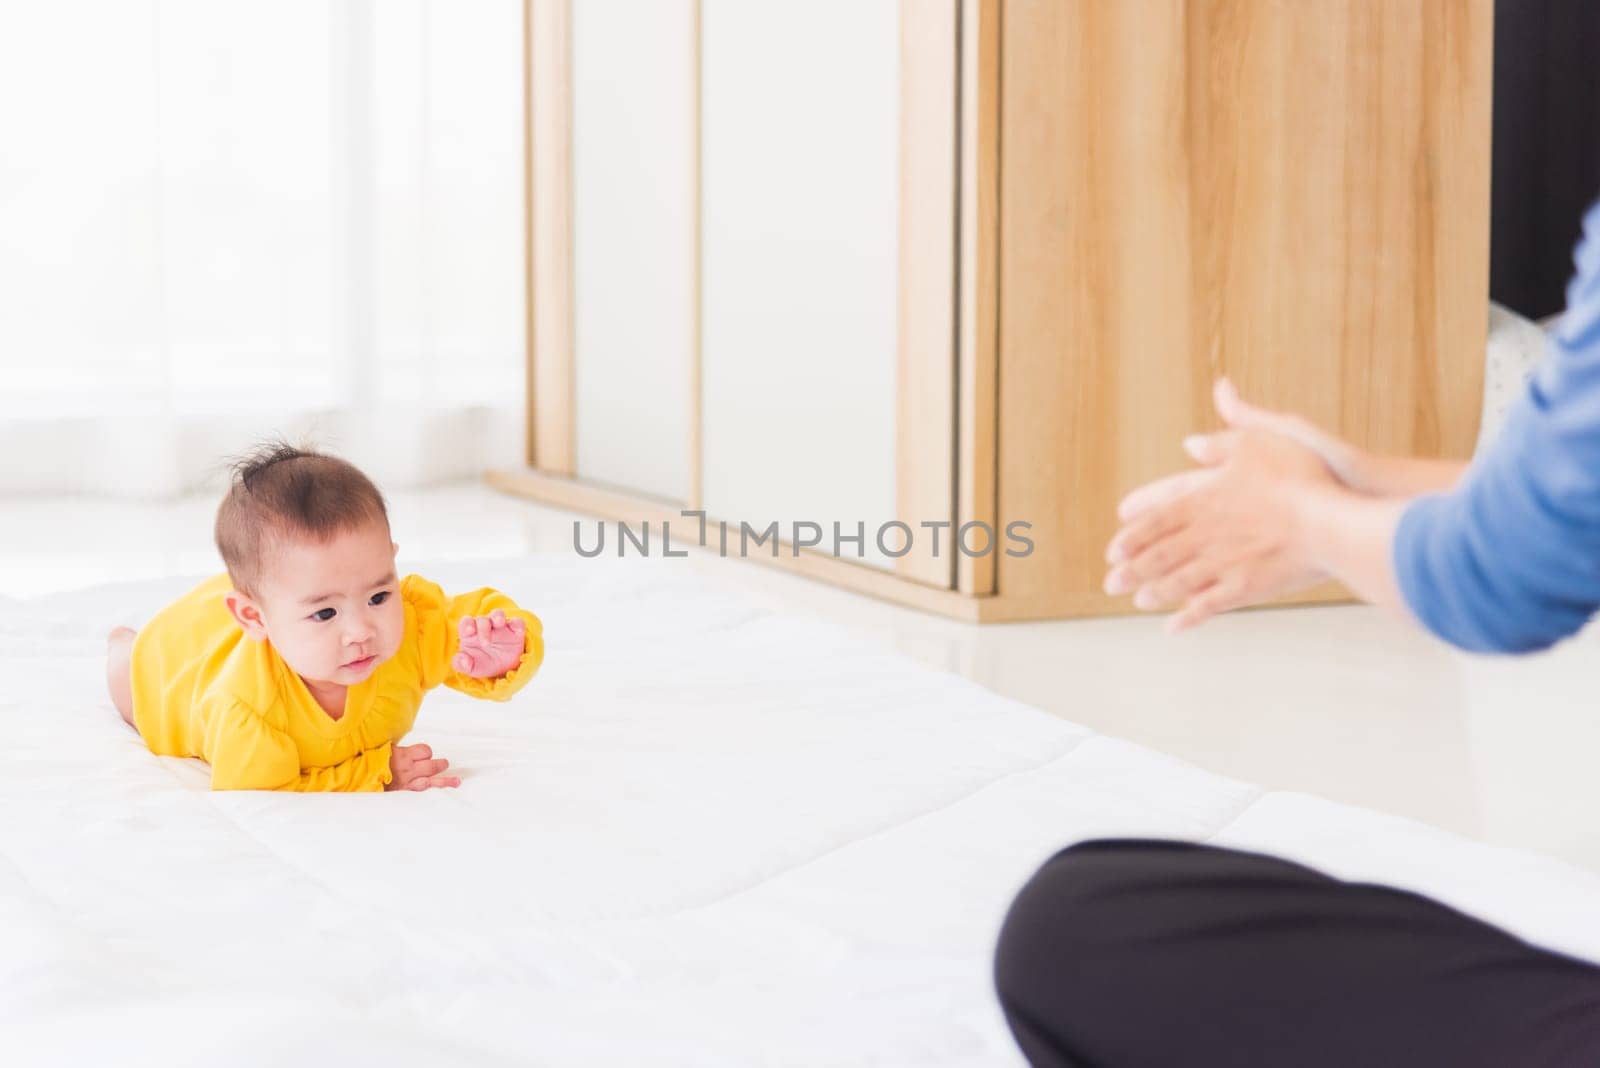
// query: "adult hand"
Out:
[1361,471]
[1350,465]
[1227,535]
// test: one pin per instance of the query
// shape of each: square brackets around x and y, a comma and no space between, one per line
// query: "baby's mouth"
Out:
[365,661]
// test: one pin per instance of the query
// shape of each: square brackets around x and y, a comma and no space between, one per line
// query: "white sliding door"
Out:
[633,172]
[800,110]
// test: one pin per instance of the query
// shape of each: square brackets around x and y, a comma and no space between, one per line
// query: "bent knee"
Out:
[1072,955]
[1077,918]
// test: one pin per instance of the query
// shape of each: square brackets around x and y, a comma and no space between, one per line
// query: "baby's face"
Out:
[332,610]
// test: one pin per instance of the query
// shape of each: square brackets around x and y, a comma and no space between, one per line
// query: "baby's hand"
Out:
[491,645]
[413,767]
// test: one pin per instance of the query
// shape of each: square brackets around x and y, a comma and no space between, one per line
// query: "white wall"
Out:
[225,217]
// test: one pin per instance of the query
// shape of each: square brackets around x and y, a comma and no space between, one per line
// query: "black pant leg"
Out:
[1164,953]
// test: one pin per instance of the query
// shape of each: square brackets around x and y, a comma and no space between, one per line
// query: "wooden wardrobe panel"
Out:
[979,288]
[925,414]
[1291,194]
[552,438]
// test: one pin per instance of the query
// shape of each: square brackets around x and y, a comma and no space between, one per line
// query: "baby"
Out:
[304,665]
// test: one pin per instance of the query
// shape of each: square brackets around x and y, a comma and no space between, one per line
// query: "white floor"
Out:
[1340,702]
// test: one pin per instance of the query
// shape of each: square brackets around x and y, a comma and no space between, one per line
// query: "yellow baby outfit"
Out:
[202,689]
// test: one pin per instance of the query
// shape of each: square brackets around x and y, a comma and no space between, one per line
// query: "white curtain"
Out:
[221,219]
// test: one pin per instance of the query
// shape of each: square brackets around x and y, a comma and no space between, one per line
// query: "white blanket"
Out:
[705,835]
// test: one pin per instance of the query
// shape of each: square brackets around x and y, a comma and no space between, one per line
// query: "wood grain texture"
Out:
[1291,194]
[552,427]
[925,400]
[530,444]
[978,305]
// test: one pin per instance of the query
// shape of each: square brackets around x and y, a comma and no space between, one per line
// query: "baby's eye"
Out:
[323,615]
[379,598]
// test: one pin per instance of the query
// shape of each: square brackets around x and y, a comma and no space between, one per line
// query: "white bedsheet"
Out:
[705,835]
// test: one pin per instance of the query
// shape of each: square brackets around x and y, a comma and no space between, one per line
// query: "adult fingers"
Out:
[1147,529]
[1211,449]
[1155,561]
[1238,413]
[1242,415]
[1177,585]
[1225,595]
[1137,536]
[1161,491]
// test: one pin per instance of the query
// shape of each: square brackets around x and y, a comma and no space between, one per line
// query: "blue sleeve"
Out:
[1509,561]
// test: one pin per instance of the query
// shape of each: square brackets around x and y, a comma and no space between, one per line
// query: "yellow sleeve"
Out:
[438,623]
[247,753]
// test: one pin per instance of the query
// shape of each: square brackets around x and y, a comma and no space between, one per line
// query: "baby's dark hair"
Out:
[281,492]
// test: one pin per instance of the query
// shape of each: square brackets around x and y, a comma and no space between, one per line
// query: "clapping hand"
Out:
[1228,534]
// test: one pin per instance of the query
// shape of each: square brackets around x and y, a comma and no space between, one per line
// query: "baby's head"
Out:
[306,540]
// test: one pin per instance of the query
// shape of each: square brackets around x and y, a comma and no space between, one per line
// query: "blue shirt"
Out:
[1509,561]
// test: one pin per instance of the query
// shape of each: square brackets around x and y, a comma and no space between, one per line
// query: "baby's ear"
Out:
[246,614]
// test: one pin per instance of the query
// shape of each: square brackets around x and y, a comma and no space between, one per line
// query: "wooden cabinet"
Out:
[972,264]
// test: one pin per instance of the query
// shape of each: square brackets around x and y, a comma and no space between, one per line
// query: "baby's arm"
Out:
[371,769]
[480,643]
[248,753]
[489,646]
